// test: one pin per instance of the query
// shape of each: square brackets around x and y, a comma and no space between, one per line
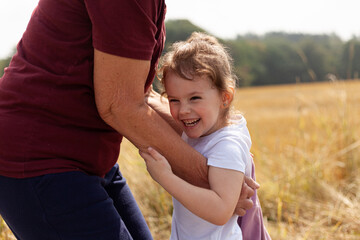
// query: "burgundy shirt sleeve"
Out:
[123,39]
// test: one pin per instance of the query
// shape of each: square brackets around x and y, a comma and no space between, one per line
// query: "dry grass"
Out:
[306,141]
[5,233]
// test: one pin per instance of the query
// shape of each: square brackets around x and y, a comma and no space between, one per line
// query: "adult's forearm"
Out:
[144,127]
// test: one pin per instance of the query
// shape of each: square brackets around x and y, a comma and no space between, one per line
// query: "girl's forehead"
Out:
[174,78]
[177,86]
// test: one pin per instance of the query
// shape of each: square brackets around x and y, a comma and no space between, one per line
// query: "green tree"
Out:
[282,63]
[248,60]
[3,64]
[179,30]
[350,59]
[313,57]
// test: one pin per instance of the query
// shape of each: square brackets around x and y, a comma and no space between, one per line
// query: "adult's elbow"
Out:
[106,113]
[113,115]
[122,117]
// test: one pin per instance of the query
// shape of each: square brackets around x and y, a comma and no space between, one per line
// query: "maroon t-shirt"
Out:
[48,118]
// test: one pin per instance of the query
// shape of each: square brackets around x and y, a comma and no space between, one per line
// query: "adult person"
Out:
[74,88]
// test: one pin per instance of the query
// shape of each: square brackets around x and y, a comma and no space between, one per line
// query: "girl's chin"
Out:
[192,134]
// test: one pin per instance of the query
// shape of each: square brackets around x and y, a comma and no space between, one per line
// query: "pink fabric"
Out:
[251,224]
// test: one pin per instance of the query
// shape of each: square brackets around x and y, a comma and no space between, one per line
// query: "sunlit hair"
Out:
[200,55]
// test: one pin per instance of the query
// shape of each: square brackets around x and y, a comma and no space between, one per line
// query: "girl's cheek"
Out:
[173,112]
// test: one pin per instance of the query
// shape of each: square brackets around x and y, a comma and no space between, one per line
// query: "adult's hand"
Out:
[247,191]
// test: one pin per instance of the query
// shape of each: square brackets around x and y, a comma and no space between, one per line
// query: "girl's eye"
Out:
[195,98]
[173,100]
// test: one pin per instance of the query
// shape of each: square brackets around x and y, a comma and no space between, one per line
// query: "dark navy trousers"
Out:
[72,206]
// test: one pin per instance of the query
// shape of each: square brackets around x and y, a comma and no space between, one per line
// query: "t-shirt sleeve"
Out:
[229,154]
[123,28]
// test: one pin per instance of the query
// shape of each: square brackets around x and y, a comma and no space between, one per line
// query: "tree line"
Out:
[278,57]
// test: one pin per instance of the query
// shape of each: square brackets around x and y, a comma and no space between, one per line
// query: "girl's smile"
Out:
[190,123]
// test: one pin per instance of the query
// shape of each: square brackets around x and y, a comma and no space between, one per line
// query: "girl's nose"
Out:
[184,109]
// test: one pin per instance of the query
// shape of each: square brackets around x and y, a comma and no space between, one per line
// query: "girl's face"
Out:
[195,104]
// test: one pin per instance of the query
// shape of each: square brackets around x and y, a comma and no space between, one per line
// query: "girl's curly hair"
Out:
[201,54]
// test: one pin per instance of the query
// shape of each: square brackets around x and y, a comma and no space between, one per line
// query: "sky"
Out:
[222,18]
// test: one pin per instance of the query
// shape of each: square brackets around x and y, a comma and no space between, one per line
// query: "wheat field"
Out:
[306,142]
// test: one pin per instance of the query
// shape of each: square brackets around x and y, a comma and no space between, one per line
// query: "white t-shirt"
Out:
[228,148]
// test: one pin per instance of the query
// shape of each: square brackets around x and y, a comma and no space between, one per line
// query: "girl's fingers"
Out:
[152,154]
[155,154]
[144,155]
[251,183]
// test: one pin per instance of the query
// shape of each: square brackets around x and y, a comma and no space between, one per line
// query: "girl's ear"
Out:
[227,97]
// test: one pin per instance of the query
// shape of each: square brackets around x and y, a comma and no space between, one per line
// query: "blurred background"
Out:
[298,66]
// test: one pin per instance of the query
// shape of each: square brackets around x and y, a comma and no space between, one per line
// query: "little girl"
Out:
[199,84]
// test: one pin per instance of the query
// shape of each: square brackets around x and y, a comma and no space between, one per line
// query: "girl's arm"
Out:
[215,205]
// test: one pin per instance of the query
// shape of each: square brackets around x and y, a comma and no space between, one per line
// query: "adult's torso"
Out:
[48,118]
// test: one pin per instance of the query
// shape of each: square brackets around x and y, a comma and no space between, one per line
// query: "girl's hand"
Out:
[156,164]
[150,94]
